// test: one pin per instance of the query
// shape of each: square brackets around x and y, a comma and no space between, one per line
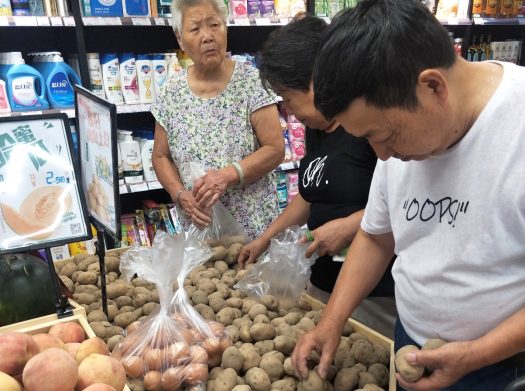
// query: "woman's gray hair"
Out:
[178,7]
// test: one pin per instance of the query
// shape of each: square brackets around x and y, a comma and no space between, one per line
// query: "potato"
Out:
[261,319]
[348,329]
[80,257]
[224,316]
[292,318]
[277,321]
[199,276]
[306,324]
[95,268]
[372,387]
[252,359]
[68,269]
[408,372]
[233,253]
[232,358]
[364,353]
[228,281]
[286,384]
[380,373]
[237,294]
[286,329]
[219,253]
[273,368]
[140,289]
[206,285]
[87,278]
[116,290]
[214,373]
[146,284]
[83,266]
[91,289]
[272,315]
[112,264]
[360,367]
[346,379]
[258,380]
[288,368]
[190,290]
[262,331]
[239,276]
[383,354]
[257,309]
[125,319]
[52,370]
[366,378]
[234,302]
[84,298]
[75,275]
[297,331]
[99,329]
[199,297]
[245,335]
[352,338]
[149,307]
[70,285]
[139,300]
[264,347]
[284,344]
[313,382]
[127,308]
[135,384]
[270,302]
[226,380]
[113,341]
[217,303]
[242,387]
[344,359]
[432,344]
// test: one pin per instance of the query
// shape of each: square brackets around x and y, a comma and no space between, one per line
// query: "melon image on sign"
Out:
[39,212]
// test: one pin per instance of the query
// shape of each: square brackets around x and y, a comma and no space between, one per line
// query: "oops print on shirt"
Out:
[314,172]
[444,210]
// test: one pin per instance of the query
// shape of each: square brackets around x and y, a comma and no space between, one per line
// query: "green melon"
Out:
[26,289]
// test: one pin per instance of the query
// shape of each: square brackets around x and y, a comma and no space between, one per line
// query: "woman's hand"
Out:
[332,237]
[211,186]
[252,251]
[199,216]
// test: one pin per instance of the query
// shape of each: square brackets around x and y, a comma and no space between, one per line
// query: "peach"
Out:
[46,341]
[17,349]
[72,348]
[153,381]
[98,368]
[68,332]
[132,327]
[51,370]
[133,365]
[89,347]
[99,387]
[7,383]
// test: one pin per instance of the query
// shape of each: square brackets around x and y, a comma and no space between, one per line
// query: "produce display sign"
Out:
[96,124]
[41,200]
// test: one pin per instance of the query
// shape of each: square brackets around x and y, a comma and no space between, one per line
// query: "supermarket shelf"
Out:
[37,21]
[139,108]
[70,113]
[288,166]
[126,21]
[455,22]
[477,20]
[139,187]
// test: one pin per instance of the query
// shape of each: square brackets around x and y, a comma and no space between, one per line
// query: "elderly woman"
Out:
[216,112]
[334,178]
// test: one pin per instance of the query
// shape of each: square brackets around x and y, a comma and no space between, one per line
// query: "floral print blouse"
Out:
[218,132]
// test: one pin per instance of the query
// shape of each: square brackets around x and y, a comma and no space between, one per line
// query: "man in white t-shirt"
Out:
[448,196]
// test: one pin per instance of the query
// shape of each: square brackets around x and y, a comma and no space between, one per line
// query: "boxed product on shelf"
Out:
[136,8]
[104,8]
[282,196]
[296,132]
[281,178]
[152,217]
[298,150]
[292,195]
[292,181]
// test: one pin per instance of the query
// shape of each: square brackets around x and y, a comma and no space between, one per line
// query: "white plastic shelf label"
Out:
[56,21]
[241,22]
[31,112]
[141,21]
[160,22]
[263,22]
[452,21]
[25,21]
[284,21]
[42,21]
[154,185]
[138,187]
[113,22]
[4,21]
[521,21]
[69,21]
[123,189]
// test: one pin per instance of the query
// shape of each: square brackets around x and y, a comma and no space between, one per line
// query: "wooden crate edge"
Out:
[373,335]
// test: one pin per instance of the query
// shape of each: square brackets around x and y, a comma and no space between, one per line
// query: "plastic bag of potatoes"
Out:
[172,347]
[224,234]
[283,273]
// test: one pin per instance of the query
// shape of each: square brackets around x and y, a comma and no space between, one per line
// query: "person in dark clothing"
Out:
[334,176]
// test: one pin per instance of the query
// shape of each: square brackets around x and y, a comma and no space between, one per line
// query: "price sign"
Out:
[31,112]
[25,21]
[123,189]
[113,22]
[154,185]
[452,21]
[56,21]
[138,187]
[263,22]
[69,21]
[241,22]
[42,21]
[141,21]
[284,21]
[160,22]
[4,21]
[41,198]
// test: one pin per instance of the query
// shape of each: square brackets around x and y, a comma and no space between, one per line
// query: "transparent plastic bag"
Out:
[171,347]
[224,234]
[283,273]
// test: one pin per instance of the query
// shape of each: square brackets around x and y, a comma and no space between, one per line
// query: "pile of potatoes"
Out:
[60,360]
[263,331]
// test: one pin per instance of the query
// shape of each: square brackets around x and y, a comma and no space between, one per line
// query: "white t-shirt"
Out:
[458,221]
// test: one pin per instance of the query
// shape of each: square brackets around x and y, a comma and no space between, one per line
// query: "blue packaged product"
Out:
[59,81]
[106,8]
[282,196]
[136,7]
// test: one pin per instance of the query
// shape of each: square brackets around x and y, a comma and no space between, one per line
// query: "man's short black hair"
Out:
[287,58]
[377,51]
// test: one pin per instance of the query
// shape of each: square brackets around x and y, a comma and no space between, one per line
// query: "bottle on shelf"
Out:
[477,7]
[507,8]
[59,80]
[95,75]
[493,7]
[128,78]
[131,159]
[145,78]
[160,70]
[4,102]
[146,151]
[472,51]
[489,52]
[481,49]
[518,7]
[25,85]
[110,72]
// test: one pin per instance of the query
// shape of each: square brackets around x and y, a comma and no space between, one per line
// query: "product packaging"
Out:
[5,8]
[152,217]
[105,8]
[224,234]
[296,132]
[292,181]
[254,9]
[238,8]
[174,216]
[282,8]
[60,252]
[298,150]
[130,232]
[282,196]
[291,196]
[283,273]
[174,346]
[143,231]
[281,178]
[267,9]
[165,222]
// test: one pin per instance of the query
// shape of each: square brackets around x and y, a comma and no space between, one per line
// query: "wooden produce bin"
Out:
[374,336]
[32,327]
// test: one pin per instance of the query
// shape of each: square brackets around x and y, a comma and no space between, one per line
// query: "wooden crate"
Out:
[43,327]
[77,310]
[374,336]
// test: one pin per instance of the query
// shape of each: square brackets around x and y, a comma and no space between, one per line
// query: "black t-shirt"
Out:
[335,177]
